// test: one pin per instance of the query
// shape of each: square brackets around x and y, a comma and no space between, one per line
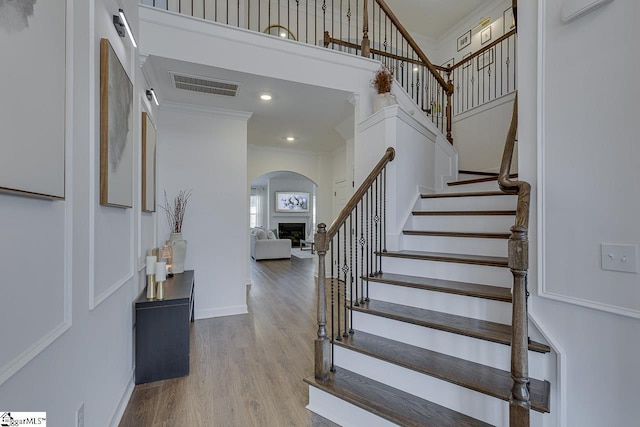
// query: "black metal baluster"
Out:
[248,14]
[333,368]
[375,227]
[269,14]
[345,270]
[298,20]
[278,13]
[324,16]
[361,242]
[384,211]
[351,266]
[338,336]
[369,242]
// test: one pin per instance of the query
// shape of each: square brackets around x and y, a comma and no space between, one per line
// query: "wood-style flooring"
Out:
[246,370]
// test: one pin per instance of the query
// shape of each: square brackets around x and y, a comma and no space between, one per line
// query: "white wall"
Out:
[71,268]
[480,134]
[206,151]
[578,147]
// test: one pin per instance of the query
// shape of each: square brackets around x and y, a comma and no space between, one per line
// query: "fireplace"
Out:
[294,231]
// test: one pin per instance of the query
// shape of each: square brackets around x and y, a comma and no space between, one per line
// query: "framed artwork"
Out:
[116,130]
[448,64]
[468,63]
[290,201]
[464,40]
[508,21]
[148,164]
[485,35]
[33,114]
[485,59]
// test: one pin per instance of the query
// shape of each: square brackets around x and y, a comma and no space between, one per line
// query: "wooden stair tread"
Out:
[390,403]
[475,376]
[448,286]
[482,173]
[491,261]
[475,328]
[478,180]
[464,213]
[457,234]
[464,194]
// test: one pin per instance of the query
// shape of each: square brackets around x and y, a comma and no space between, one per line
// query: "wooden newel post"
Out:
[449,112]
[519,404]
[322,343]
[366,50]
[327,39]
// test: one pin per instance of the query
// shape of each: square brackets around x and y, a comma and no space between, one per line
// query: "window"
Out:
[256,207]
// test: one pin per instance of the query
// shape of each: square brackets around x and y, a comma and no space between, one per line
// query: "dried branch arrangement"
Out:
[383,79]
[175,211]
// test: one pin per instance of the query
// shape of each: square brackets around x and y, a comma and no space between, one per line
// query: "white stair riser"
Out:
[473,349]
[479,186]
[468,203]
[458,245]
[497,276]
[474,404]
[461,305]
[342,412]
[466,223]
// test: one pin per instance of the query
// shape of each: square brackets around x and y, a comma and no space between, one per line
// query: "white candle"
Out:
[161,272]
[151,265]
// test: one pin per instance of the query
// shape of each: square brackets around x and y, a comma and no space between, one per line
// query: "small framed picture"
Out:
[468,63]
[508,21]
[464,40]
[485,59]
[485,35]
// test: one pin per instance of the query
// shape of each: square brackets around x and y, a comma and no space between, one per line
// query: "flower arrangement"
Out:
[175,211]
[383,79]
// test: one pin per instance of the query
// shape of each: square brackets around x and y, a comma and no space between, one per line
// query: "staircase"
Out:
[431,343]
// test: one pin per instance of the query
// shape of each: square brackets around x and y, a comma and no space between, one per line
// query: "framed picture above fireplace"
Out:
[291,201]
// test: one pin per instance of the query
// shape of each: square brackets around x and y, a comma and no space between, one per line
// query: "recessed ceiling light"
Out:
[290,138]
[283,34]
[415,68]
[265,97]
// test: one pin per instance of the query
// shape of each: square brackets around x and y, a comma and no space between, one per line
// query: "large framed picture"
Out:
[116,130]
[289,201]
[508,21]
[464,40]
[148,164]
[33,88]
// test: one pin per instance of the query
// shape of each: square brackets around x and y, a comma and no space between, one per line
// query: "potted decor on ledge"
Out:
[382,82]
[175,216]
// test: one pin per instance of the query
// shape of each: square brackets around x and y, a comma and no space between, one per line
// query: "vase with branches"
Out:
[175,212]
[382,82]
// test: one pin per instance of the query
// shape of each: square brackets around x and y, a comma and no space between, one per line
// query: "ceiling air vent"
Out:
[205,85]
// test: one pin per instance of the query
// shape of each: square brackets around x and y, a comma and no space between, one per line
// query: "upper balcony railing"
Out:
[369,28]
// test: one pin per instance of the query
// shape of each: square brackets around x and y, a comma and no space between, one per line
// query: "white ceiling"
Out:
[309,113]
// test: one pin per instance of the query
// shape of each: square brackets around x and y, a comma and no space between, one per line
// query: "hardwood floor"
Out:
[246,370]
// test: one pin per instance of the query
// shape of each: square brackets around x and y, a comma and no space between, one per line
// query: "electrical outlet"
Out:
[619,257]
[80,416]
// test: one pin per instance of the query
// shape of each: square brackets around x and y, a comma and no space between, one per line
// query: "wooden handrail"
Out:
[521,188]
[448,87]
[483,50]
[388,156]
[520,402]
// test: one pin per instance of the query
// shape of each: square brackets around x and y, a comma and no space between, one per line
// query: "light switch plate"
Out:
[619,257]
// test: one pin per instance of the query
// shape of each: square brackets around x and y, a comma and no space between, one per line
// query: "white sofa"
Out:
[264,245]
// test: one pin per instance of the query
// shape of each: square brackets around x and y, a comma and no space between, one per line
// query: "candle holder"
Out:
[160,291]
[151,286]
[161,276]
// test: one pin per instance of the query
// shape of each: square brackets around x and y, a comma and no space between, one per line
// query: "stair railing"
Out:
[387,40]
[485,75]
[519,403]
[355,240]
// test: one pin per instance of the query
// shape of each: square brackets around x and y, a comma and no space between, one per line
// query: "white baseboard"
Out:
[222,311]
[124,401]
